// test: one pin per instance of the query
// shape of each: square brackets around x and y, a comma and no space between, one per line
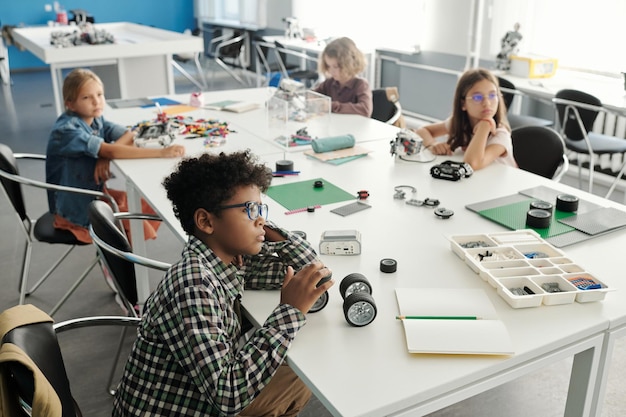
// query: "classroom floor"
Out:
[26,115]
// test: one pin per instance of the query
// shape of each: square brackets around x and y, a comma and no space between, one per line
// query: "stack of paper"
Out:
[233,106]
[452,321]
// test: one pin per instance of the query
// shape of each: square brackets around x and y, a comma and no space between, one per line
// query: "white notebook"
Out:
[233,106]
[484,335]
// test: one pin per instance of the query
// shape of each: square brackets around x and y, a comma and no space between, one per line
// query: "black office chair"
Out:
[307,76]
[386,105]
[577,112]
[508,90]
[228,51]
[540,150]
[41,230]
[116,253]
[31,336]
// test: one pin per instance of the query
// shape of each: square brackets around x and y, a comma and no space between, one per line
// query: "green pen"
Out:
[437,318]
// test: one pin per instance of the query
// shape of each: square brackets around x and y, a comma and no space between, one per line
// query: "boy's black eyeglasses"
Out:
[253,208]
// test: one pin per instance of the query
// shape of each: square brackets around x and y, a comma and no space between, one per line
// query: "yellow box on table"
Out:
[533,66]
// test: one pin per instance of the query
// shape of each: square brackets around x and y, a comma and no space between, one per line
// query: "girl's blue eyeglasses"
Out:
[478,97]
[253,209]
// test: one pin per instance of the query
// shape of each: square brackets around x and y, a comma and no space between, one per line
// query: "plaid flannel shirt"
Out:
[187,359]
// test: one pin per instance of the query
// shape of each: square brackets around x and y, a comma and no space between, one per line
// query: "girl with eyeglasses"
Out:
[478,125]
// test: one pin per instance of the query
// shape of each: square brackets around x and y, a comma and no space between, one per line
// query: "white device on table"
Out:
[340,242]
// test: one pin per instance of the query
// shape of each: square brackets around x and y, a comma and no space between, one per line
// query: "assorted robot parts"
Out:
[85,34]
[154,135]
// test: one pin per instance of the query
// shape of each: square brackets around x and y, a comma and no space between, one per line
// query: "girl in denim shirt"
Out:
[80,148]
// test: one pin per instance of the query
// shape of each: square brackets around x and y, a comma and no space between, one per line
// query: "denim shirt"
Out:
[71,160]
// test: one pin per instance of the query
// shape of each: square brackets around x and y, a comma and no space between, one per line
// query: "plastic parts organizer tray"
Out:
[527,271]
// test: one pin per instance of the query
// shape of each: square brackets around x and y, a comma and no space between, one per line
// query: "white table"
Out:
[251,132]
[137,65]
[609,90]
[367,371]
[256,123]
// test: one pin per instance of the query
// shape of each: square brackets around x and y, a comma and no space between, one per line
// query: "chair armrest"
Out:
[130,256]
[298,54]
[48,186]
[570,103]
[398,113]
[258,44]
[36,156]
[81,322]
[229,42]
[562,169]
[281,50]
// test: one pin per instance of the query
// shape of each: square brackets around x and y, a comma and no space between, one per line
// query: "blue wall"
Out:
[174,15]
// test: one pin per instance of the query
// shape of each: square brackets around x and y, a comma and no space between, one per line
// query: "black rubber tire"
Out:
[359,309]
[354,283]
[320,303]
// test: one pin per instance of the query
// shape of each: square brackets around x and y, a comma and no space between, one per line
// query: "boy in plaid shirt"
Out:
[189,357]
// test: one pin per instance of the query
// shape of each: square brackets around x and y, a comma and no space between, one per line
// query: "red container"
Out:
[62,17]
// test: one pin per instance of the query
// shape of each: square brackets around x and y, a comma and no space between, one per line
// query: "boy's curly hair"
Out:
[210,180]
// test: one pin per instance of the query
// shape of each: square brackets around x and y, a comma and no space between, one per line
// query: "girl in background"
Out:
[478,124]
[341,62]
[81,146]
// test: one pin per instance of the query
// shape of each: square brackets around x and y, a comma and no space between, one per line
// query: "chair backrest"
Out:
[292,70]
[384,109]
[280,48]
[231,48]
[8,164]
[539,149]
[567,116]
[107,228]
[39,342]
[507,96]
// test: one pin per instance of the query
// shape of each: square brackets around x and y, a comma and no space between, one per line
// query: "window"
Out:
[394,23]
[579,33]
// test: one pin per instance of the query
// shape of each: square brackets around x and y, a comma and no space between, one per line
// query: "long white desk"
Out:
[251,131]
[137,65]
[256,123]
[609,90]
[383,379]
[367,371]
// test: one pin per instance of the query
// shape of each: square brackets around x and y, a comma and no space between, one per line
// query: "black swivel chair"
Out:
[386,105]
[577,111]
[42,229]
[508,90]
[36,339]
[540,150]
[116,252]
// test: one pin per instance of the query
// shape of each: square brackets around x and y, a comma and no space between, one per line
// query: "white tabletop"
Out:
[379,372]
[610,90]
[367,371]
[132,40]
[256,121]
